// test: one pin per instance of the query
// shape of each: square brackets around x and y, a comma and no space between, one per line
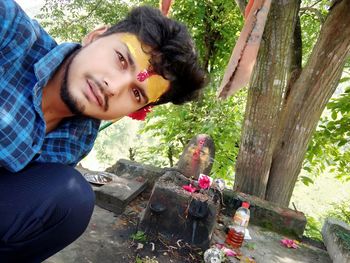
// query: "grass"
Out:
[320,200]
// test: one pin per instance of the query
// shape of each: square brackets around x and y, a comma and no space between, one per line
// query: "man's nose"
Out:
[118,83]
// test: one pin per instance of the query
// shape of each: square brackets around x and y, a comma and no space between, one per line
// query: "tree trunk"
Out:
[306,101]
[280,118]
[264,100]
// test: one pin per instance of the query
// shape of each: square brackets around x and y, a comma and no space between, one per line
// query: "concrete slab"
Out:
[115,196]
[336,236]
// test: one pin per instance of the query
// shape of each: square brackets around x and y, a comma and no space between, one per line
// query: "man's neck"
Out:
[54,109]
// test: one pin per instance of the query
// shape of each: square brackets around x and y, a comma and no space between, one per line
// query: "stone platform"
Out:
[109,236]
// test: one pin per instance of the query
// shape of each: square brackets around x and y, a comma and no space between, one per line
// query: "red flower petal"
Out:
[204,181]
[289,243]
[189,188]
[141,114]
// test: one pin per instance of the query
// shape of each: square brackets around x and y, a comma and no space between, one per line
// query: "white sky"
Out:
[31,7]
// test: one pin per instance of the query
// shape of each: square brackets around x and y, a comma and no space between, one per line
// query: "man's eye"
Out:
[122,60]
[137,94]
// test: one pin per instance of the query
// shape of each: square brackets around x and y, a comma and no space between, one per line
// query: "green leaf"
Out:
[345,79]
[334,115]
[307,169]
[306,180]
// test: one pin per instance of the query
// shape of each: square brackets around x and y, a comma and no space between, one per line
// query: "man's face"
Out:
[103,79]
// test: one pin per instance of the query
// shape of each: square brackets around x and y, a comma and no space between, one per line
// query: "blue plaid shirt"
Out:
[28,58]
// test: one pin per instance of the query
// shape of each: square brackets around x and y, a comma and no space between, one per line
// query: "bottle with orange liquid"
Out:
[236,231]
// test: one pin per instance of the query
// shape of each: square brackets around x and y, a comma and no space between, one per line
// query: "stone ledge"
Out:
[336,237]
[117,195]
[266,214]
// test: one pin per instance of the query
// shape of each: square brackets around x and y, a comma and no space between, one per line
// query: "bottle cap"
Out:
[245,204]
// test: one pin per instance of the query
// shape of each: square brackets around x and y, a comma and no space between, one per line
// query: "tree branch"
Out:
[313,10]
[241,4]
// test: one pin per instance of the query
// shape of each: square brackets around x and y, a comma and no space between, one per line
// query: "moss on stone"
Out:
[343,235]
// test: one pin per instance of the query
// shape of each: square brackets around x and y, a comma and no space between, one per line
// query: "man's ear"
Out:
[93,35]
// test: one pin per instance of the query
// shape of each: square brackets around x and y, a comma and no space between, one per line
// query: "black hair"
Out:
[172,52]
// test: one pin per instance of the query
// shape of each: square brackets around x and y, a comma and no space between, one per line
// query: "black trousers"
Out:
[43,208]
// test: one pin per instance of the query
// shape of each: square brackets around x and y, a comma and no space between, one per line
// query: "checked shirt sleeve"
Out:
[17,36]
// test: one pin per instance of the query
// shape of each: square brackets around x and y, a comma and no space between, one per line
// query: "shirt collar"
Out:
[48,64]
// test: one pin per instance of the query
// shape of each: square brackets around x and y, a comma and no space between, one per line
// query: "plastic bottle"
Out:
[236,231]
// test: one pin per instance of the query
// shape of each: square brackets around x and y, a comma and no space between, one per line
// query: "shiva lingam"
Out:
[178,208]
[197,157]
[179,213]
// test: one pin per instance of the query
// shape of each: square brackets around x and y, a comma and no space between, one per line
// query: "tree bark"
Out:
[307,100]
[265,95]
[281,117]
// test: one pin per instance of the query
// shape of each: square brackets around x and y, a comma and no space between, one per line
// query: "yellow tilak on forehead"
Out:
[156,85]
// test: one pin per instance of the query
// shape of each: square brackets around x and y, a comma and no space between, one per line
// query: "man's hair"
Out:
[172,52]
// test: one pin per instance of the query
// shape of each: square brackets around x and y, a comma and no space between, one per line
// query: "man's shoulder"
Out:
[16,25]
[8,5]
[10,11]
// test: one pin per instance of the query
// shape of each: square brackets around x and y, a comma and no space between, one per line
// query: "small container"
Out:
[240,222]
[213,255]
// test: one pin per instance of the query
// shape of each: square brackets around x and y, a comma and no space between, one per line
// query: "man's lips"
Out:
[96,93]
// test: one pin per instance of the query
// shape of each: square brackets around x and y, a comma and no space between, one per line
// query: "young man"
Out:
[51,100]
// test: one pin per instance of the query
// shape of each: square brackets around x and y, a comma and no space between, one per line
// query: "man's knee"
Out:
[73,196]
[53,207]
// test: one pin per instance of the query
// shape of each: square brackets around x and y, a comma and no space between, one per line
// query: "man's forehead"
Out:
[136,50]
[156,85]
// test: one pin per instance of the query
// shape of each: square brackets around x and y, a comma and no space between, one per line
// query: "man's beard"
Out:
[65,94]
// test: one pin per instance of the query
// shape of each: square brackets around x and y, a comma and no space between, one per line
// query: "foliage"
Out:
[313,228]
[139,236]
[175,126]
[215,26]
[71,20]
[117,141]
[146,259]
[329,148]
[312,16]
[339,211]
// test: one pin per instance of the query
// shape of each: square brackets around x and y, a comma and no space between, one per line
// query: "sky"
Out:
[31,7]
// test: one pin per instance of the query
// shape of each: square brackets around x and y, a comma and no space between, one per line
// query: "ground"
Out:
[108,240]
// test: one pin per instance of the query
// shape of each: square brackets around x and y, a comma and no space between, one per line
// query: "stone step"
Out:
[336,237]
[119,192]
